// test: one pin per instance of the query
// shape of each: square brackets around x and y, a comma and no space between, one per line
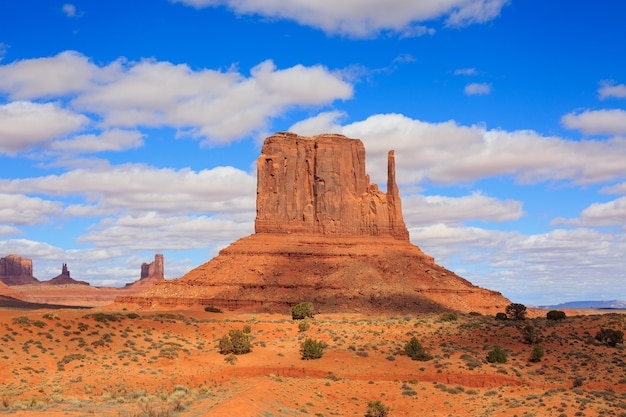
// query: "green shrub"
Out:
[212,309]
[555,315]
[501,316]
[449,316]
[516,311]
[21,320]
[247,329]
[497,355]
[302,310]
[610,337]
[39,323]
[304,325]
[236,342]
[416,351]
[311,349]
[531,334]
[376,409]
[536,354]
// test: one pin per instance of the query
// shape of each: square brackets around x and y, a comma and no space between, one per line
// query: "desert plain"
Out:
[106,362]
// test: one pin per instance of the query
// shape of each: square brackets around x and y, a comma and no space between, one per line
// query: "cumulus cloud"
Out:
[478,89]
[447,152]
[110,140]
[597,122]
[610,88]
[3,50]
[611,213]
[24,124]
[151,231]
[365,18]
[559,262]
[19,209]
[139,187]
[435,209]
[218,106]
[9,230]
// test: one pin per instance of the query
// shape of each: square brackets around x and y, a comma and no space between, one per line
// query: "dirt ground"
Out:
[148,364]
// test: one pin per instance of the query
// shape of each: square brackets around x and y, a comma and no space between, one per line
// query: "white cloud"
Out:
[69,10]
[478,89]
[25,124]
[367,18]
[143,188]
[546,268]
[219,106]
[448,153]
[466,71]
[19,209]
[597,122]
[609,88]
[151,231]
[9,230]
[425,210]
[110,140]
[612,213]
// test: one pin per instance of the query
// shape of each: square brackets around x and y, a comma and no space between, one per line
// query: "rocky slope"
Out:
[323,234]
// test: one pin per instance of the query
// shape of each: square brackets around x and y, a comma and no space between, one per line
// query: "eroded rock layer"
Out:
[271,272]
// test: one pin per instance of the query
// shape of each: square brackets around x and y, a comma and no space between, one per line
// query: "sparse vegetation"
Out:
[497,355]
[501,317]
[516,311]
[414,350]
[376,409]
[449,316]
[302,310]
[610,337]
[536,354]
[304,325]
[235,342]
[555,315]
[311,349]
[212,309]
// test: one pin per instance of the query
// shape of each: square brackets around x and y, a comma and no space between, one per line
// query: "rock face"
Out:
[323,234]
[15,270]
[319,185]
[153,269]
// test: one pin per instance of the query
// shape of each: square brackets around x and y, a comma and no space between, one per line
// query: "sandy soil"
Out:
[126,364]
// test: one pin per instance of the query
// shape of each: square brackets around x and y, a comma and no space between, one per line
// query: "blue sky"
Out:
[132,128]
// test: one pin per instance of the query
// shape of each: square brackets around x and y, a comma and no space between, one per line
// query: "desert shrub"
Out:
[212,309]
[449,316]
[311,349]
[132,316]
[21,320]
[247,328]
[51,316]
[302,310]
[531,334]
[39,323]
[610,337]
[536,354]
[555,315]
[103,317]
[416,351]
[516,311]
[376,409]
[304,325]
[497,355]
[236,342]
[501,316]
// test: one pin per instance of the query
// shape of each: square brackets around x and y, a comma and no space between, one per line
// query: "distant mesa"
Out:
[15,270]
[64,279]
[325,234]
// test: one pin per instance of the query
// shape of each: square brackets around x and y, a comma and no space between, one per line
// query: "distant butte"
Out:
[15,270]
[323,234]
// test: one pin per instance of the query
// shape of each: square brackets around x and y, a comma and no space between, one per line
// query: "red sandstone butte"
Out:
[15,270]
[323,234]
